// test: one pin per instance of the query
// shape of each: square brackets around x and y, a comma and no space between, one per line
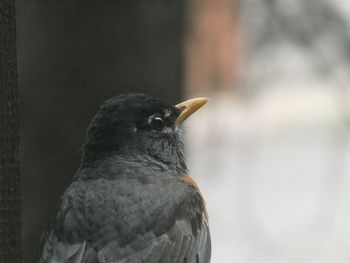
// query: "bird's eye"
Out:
[157,123]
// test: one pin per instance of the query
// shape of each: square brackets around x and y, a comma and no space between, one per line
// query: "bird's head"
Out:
[137,125]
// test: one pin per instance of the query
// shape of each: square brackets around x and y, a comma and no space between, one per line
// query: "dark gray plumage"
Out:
[128,201]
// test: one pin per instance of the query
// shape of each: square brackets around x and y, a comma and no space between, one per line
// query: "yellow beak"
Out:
[188,107]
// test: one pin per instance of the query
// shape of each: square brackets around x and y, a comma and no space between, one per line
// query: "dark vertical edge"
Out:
[10,202]
[184,23]
[73,55]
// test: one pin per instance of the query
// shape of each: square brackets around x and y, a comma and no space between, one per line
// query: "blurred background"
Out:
[271,151]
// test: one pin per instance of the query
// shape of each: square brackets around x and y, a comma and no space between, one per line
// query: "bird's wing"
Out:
[204,253]
[64,252]
[181,244]
[54,250]
[143,224]
[186,241]
[77,257]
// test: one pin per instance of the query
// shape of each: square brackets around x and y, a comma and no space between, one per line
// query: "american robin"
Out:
[132,199]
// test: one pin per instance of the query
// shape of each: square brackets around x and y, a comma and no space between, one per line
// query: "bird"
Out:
[132,199]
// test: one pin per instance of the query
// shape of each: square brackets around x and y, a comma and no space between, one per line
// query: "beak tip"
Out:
[190,106]
[204,99]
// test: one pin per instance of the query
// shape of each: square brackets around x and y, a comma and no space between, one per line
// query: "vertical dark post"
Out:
[10,205]
[72,55]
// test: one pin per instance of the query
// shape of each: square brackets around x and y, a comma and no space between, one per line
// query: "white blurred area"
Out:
[271,153]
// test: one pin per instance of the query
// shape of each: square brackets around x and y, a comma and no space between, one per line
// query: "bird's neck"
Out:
[116,165]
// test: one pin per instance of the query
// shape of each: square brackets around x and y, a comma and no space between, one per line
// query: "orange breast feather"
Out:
[189,180]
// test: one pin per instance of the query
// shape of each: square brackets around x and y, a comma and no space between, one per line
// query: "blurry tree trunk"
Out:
[10,206]
[211,45]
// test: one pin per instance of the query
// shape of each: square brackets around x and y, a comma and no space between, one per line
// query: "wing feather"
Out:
[150,229]
[181,245]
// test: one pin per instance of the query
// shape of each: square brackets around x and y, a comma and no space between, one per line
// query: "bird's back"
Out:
[129,219]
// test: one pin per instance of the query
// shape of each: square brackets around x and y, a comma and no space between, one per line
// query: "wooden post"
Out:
[10,201]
